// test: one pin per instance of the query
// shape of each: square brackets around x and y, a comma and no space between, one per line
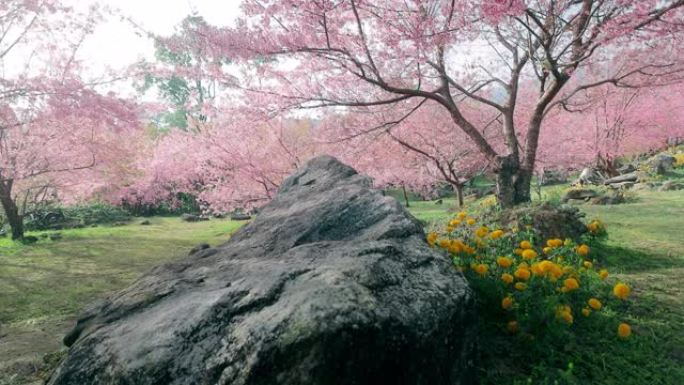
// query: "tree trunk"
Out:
[459,194]
[523,183]
[403,188]
[512,182]
[16,221]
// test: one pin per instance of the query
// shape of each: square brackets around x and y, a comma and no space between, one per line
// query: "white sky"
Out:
[115,44]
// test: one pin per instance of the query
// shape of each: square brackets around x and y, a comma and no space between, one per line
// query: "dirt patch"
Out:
[24,346]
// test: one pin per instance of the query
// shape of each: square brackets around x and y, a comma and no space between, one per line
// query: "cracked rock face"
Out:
[332,283]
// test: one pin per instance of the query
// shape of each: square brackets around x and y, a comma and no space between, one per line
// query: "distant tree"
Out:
[414,149]
[608,123]
[236,160]
[182,75]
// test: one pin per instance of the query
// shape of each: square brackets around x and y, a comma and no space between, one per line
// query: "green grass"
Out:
[646,249]
[45,285]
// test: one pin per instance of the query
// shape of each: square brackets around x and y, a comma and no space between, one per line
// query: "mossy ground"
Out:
[44,286]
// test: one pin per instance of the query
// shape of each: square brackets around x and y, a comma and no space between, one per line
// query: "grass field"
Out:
[44,286]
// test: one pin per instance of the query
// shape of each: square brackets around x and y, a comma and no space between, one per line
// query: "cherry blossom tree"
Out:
[375,55]
[612,122]
[59,137]
[236,159]
[414,149]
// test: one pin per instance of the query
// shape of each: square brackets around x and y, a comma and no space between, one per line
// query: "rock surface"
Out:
[661,164]
[589,176]
[629,177]
[331,284]
[579,194]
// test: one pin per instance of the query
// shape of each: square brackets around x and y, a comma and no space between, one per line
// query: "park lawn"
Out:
[645,248]
[45,285]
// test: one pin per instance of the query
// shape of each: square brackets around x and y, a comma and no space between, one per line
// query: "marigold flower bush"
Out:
[679,160]
[540,293]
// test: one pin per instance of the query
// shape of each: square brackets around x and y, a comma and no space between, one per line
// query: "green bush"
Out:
[86,214]
[182,203]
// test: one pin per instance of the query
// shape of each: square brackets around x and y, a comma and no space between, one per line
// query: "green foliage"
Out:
[86,214]
[183,203]
[187,94]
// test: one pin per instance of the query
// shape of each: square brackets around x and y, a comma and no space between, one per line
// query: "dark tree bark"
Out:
[15,219]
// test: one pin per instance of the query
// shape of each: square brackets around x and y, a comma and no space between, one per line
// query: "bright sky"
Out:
[115,43]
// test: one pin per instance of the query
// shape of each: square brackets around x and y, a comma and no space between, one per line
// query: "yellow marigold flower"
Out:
[554,270]
[496,234]
[450,229]
[564,312]
[455,247]
[529,254]
[567,317]
[432,238]
[470,221]
[512,327]
[522,274]
[594,303]
[506,303]
[593,227]
[482,232]
[468,249]
[587,264]
[547,250]
[520,286]
[621,290]
[518,251]
[624,330]
[525,245]
[554,243]
[504,262]
[462,215]
[571,284]
[444,243]
[537,269]
[481,269]
[586,311]
[507,278]
[454,223]
[583,250]
[603,273]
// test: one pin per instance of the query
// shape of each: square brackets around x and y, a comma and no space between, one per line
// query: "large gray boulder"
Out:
[332,283]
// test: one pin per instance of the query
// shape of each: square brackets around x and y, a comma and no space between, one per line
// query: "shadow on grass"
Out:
[630,260]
